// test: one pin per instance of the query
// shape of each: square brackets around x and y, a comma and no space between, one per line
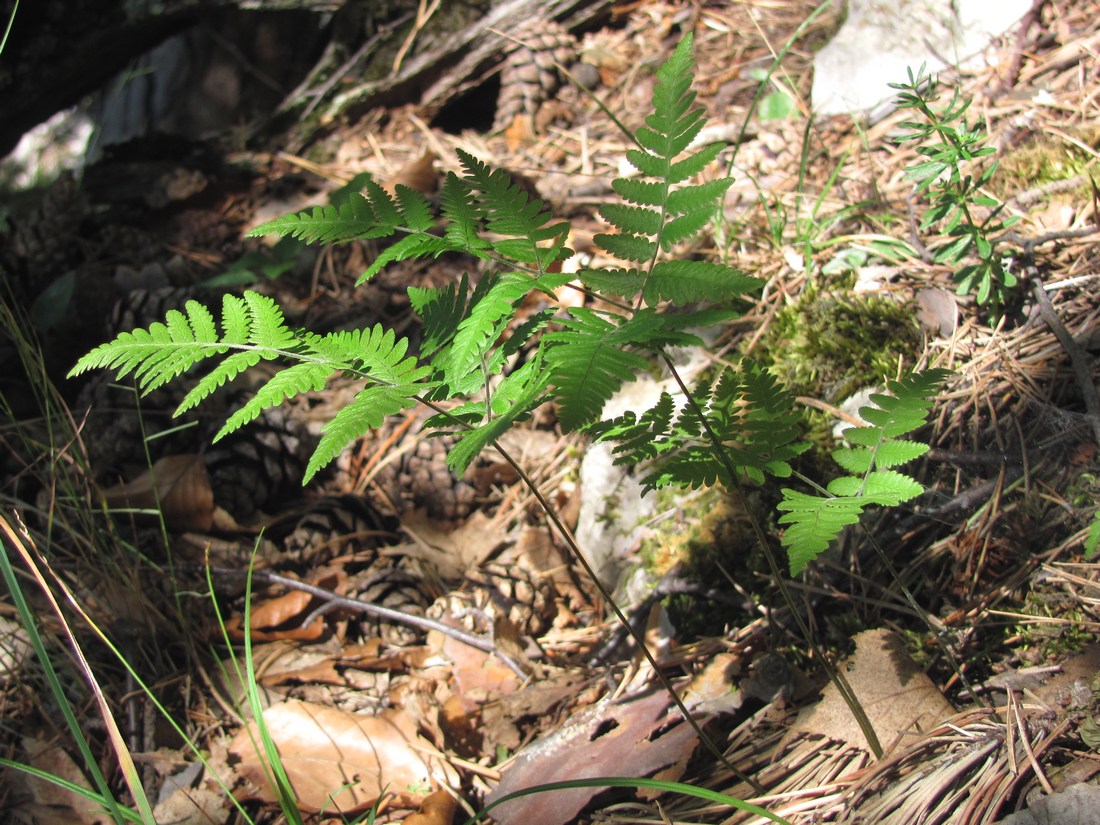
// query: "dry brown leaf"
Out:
[268,620]
[178,484]
[452,553]
[419,175]
[478,676]
[46,802]
[437,809]
[896,695]
[339,761]
[634,737]
[519,132]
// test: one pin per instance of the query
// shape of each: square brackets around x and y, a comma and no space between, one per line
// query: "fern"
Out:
[490,370]
[253,329]
[815,520]
[746,412]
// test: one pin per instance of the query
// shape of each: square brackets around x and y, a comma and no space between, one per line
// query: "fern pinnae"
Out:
[813,521]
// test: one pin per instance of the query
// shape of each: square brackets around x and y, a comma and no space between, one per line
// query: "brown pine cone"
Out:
[530,76]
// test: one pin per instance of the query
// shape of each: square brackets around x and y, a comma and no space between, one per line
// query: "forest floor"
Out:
[973,638]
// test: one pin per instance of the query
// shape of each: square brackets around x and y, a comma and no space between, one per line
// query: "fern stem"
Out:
[835,676]
[567,536]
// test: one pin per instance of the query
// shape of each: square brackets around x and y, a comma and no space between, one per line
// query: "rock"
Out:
[880,38]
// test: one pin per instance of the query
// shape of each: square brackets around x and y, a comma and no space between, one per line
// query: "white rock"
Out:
[880,38]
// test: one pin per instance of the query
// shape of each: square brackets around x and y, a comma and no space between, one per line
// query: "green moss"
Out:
[828,345]
[1046,159]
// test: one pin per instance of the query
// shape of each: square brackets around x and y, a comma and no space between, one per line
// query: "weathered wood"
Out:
[444,63]
[61,50]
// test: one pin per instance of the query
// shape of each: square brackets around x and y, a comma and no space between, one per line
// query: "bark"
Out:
[449,57]
[61,50]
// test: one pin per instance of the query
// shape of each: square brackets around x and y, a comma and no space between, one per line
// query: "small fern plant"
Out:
[739,424]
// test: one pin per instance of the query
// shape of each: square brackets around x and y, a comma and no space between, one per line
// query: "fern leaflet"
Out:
[815,520]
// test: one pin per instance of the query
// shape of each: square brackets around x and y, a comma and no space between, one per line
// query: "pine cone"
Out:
[530,76]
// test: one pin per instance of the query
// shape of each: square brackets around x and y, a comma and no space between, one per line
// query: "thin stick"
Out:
[388,613]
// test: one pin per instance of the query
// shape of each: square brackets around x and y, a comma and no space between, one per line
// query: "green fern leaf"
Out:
[621,282]
[226,371]
[440,310]
[416,210]
[287,383]
[888,488]
[641,192]
[702,196]
[686,281]
[626,246]
[632,219]
[462,216]
[684,227]
[693,164]
[366,412]
[814,523]
[510,211]
[878,446]
[891,453]
[462,362]
[516,396]
[352,220]
[410,246]
[589,360]
[651,165]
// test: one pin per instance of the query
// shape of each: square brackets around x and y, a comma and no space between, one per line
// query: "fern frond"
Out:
[361,215]
[462,215]
[589,360]
[879,446]
[286,383]
[813,524]
[440,310]
[682,282]
[752,417]
[366,412]
[632,219]
[510,211]
[620,282]
[641,192]
[626,246]
[165,351]
[515,397]
[491,310]
[663,214]
[418,245]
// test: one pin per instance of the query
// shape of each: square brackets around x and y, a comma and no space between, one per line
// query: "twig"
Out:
[1081,370]
[421,622]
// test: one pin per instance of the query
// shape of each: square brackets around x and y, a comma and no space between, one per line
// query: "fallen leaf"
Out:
[419,175]
[437,809]
[178,484]
[180,803]
[937,310]
[45,802]
[896,695]
[339,761]
[451,553]
[632,737]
